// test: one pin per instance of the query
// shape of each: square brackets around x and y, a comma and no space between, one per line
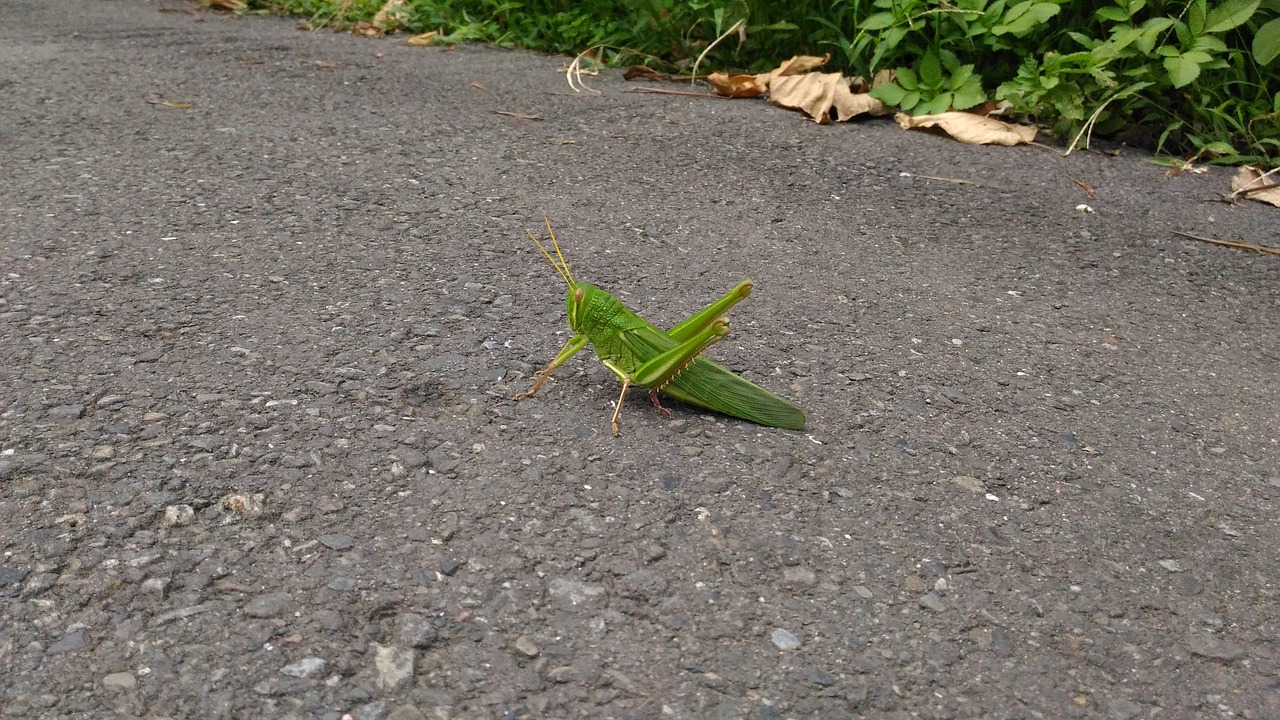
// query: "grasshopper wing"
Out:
[708,385]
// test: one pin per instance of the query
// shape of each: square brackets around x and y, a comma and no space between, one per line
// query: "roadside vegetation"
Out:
[1188,78]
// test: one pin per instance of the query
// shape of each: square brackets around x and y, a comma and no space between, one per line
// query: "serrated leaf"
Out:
[889,93]
[1266,44]
[930,71]
[1230,14]
[907,79]
[969,95]
[1182,71]
[877,21]
[1113,14]
[1209,44]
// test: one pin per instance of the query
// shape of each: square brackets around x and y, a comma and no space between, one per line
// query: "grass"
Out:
[1184,77]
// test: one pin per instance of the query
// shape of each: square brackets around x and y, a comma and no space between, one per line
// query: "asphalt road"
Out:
[265,296]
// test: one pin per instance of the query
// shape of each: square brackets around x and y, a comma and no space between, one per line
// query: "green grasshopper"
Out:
[670,362]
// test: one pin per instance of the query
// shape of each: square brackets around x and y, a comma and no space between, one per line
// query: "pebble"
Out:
[408,712]
[304,668]
[784,639]
[417,631]
[527,646]
[376,710]
[799,576]
[67,412]
[393,665]
[109,400]
[1215,649]
[572,594]
[267,606]
[177,516]
[932,602]
[70,642]
[342,584]
[1123,709]
[120,680]
[336,542]
[412,458]
[11,576]
[154,586]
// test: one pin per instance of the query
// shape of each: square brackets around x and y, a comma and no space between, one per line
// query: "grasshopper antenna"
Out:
[562,268]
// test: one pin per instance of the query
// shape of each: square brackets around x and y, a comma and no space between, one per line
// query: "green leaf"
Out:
[1114,14]
[930,71]
[890,93]
[907,79]
[1024,16]
[878,21]
[1195,20]
[1209,44]
[911,100]
[1266,44]
[1230,14]
[969,95]
[1218,148]
[938,104]
[1182,71]
[1151,31]
[960,77]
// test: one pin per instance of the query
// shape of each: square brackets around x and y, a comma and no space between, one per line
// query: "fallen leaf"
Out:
[640,72]
[168,103]
[368,29]
[229,5]
[1254,184]
[738,86]
[799,65]
[1086,187]
[518,116]
[479,86]
[970,128]
[818,93]
[426,38]
[391,16]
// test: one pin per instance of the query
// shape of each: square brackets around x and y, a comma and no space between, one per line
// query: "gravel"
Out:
[267,296]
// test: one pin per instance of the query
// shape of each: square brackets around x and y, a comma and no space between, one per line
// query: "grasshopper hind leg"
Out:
[653,395]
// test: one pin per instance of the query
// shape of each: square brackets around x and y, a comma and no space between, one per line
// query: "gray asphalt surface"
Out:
[266,296]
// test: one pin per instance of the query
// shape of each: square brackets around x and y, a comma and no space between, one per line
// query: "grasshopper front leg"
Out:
[575,343]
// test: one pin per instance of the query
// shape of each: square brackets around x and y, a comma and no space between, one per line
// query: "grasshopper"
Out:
[668,363]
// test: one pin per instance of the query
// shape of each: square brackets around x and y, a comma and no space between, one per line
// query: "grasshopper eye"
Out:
[577,295]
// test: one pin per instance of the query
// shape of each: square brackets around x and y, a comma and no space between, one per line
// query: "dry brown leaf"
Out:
[640,72]
[391,16]
[738,86]
[479,86]
[156,100]
[518,116]
[818,93]
[229,5]
[1255,185]
[799,65]
[970,128]
[426,38]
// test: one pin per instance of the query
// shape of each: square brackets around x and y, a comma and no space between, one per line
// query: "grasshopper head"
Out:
[576,303]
